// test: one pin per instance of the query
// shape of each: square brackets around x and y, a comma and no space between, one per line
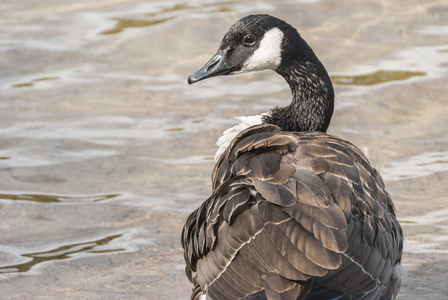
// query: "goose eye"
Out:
[249,40]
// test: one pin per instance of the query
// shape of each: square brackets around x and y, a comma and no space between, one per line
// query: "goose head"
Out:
[263,42]
[255,43]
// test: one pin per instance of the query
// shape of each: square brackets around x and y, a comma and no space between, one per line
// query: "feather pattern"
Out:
[309,212]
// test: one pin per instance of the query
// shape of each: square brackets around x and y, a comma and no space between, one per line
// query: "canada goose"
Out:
[294,213]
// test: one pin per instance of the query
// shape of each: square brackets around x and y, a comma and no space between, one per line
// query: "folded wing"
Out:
[292,213]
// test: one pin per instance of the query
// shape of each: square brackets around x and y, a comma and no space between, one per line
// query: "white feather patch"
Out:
[228,135]
[269,53]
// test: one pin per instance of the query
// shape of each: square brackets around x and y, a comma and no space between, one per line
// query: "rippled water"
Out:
[105,149]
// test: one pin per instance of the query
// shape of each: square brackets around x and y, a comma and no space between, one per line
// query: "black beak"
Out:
[214,67]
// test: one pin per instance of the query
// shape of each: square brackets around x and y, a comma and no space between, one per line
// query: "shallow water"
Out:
[105,149]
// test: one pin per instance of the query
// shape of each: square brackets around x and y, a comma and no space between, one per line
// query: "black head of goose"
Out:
[294,213]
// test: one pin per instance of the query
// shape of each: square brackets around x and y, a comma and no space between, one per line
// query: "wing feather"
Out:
[289,210]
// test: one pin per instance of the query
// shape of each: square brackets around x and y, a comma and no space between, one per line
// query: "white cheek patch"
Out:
[269,53]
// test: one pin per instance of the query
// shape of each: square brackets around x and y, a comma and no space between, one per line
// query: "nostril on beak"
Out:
[214,67]
[211,65]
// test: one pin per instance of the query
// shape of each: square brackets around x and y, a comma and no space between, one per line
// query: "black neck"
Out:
[312,98]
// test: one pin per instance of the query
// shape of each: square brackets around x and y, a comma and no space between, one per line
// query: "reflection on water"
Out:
[45,79]
[420,63]
[27,84]
[374,78]
[43,198]
[163,14]
[155,18]
[433,232]
[22,85]
[128,23]
[407,222]
[174,129]
[417,166]
[63,252]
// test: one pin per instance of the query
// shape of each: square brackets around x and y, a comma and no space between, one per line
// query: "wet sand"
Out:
[105,149]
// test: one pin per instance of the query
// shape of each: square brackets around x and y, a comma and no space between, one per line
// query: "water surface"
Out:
[105,149]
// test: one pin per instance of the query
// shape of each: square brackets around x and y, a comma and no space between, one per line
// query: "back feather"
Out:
[293,214]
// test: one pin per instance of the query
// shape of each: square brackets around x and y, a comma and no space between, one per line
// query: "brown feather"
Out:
[288,210]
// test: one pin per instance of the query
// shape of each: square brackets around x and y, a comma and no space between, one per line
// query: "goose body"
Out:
[294,213]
